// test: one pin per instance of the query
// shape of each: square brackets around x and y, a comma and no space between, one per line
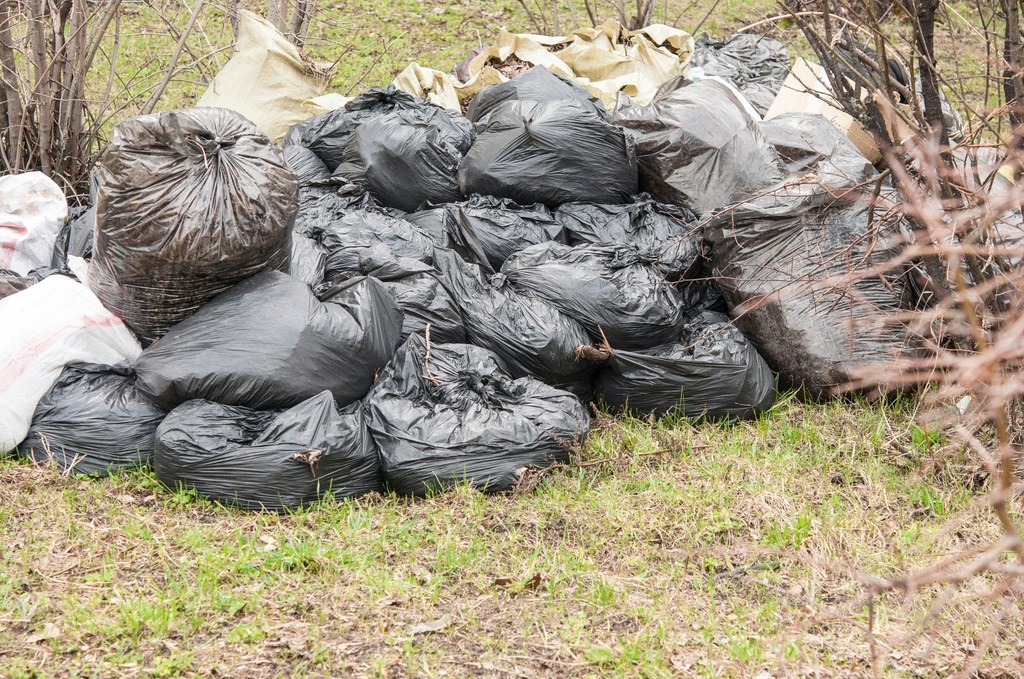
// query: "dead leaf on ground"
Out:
[441,623]
[50,631]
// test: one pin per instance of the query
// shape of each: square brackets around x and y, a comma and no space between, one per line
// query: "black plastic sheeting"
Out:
[309,260]
[408,157]
[323,203]
[809,143]
[530,336]
[663,233]
[440,225]
[550,152]
[270,343]
[344,240]
[756,64]
[75,238]
[420,295]
[535,84]
[449,414]
[698,147]
[796,269]
[308,168]
[271,460]
[611,290]
[94,420]
[712,371]
[11,282]
[499,227]
[188,203]
[327,134]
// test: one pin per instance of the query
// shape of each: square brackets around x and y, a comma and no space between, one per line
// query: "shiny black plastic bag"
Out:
[550,152]
[795,267]
[449,414]
[698,147]
[662,233]
[188,203]
[530,336]
[308,168]
[809,142]
[11,282]
[500,227]
[419,293]
[711,371]
[75,238]
[345,239]
[408,157]
[94,420]
[309,260]
[258,459]
[327,134]
[756,64]
[270,343]
[326,202]
[535,84]
[611,290]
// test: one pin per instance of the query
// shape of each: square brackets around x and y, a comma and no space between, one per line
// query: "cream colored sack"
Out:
[442,89]
[605,60]
[266,80]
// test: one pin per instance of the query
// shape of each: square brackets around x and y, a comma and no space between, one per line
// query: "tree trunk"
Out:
[925,37]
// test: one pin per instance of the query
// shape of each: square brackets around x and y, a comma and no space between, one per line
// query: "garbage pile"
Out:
[401,297]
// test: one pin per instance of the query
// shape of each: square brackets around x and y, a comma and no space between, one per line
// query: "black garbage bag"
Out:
[268,460]
[408,157]
[75,238]
[711,371]
[309,260]
[11,282]
[326,134]
[449,414]
[810,143]
[270,343]
[662,233]
[611,290]
[419,293]
[437,223]
[94,420]
[698,147]
[327,202]
[501,227]
[530,336]
[701,293]
[798,269]
[756,64]
[188,203]
[308,168]
[345,239]
[549,152]
[535,84]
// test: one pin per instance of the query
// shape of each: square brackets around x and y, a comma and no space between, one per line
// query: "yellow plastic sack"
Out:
[605,60]
[267,79]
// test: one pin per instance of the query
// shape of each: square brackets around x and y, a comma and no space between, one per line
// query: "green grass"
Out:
[730,550]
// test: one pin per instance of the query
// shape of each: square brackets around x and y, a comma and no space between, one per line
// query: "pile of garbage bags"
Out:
[399,297]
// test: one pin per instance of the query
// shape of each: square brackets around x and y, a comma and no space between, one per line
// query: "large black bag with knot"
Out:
[270,343]
[444,414]
[611,290]
[710,371]
[549,152]
[94,420]
[188,203]
[266,459]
